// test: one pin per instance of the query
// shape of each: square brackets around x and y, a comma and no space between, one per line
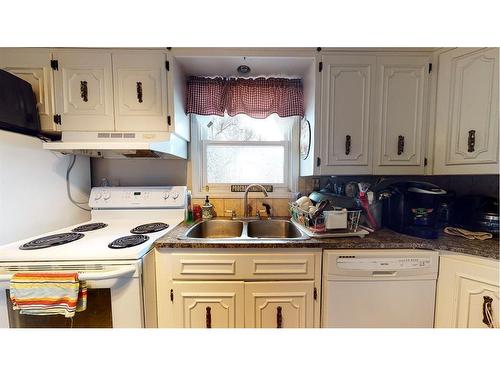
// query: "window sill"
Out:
[229,195]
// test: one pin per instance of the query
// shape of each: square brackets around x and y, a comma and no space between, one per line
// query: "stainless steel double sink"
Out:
[222,229]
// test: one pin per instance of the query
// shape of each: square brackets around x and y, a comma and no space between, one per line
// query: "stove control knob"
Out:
[176,195]
[166,195]
[97,196]
[106,195]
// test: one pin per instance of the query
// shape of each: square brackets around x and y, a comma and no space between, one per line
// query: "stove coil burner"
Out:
[89,227]
[53,240]
[128,241]
[149,228]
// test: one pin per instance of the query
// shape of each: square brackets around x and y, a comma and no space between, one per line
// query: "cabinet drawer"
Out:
[242,266]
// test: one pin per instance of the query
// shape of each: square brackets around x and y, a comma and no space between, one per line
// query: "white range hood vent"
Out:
[119,145]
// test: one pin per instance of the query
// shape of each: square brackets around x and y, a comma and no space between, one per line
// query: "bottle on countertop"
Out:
[207,209]
[189,211]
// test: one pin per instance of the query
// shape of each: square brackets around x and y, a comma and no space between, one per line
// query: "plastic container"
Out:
[336,219]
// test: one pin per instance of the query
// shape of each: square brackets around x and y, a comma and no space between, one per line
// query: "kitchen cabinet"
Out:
[140,91]
[347,91]
[466,123]
[374,113]
[467,288]
[286,304]
[238,288]
[83,83]
[400,124]
[33,66]
[208,304]
[105,90]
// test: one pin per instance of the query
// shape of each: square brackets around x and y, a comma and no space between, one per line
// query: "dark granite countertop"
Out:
[382,239]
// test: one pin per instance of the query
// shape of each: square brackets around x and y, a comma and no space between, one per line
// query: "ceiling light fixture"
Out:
[243,69]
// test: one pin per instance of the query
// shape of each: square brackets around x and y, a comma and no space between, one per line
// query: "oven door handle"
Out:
[86,276]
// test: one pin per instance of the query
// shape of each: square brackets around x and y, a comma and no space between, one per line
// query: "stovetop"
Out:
[91,244]
[125,222]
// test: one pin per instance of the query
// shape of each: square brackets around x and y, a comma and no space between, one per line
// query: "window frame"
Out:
[198,171]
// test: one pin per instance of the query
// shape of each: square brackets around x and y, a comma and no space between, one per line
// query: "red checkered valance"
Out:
[255,97]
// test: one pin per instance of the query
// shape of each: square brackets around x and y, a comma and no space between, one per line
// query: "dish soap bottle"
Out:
[207,209]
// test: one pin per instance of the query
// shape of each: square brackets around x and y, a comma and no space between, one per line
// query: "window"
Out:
[243,150]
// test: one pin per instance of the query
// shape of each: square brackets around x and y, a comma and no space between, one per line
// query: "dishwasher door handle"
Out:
[383,273]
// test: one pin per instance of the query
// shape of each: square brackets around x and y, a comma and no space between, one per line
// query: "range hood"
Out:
[117,145]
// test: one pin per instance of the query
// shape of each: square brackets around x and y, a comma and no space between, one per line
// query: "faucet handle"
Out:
[232,212]
[268,208]
[261,214]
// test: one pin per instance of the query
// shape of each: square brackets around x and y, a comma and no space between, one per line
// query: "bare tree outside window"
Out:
[242,149]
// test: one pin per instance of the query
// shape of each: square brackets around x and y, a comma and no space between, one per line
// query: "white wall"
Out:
[139,172]
[33,188]
[310,99]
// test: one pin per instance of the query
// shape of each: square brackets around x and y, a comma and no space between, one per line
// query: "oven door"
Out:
[114,296]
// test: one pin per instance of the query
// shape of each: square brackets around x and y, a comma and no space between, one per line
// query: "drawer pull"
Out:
[84,91]
[139,91]
[279,318]
[384,273]
[488,312]
[208,317]
[471,141]
[401,144]
[347,144]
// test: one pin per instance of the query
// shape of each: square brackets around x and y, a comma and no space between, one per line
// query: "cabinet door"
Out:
[176,83]
[401,114]
[466,138]
[280,304]
[347,84]
[84,90]
[33,66]
[140,91]
[208,304]
[466,289]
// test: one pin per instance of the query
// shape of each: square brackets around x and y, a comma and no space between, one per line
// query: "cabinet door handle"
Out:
[208,317]
[488,312]
[84,91]
[401,144]
[139,91]
[279,318]
[347,144]
[471,141]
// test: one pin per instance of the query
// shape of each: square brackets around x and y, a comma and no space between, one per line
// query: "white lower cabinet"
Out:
[285,304]
[467,292]
[238,290]
[200,304]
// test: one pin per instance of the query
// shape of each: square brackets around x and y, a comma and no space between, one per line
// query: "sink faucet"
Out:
[245,199]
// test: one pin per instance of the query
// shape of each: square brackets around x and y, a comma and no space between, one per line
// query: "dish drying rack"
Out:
[315,227]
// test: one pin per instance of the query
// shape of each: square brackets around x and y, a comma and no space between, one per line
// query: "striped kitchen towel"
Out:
[48,293]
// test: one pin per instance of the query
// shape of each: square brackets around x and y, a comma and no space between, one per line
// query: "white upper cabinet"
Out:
[178,119]
[400,122]
[346,100]
[466,129]
[33,66]
[140,91]
[84,90]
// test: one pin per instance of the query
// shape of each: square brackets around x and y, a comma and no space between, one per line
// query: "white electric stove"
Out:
[110,252]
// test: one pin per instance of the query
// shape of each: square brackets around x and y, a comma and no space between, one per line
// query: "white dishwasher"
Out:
[379,288]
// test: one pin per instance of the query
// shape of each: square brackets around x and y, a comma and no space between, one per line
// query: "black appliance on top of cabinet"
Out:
[18,111]
[414,208]
[477,213]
